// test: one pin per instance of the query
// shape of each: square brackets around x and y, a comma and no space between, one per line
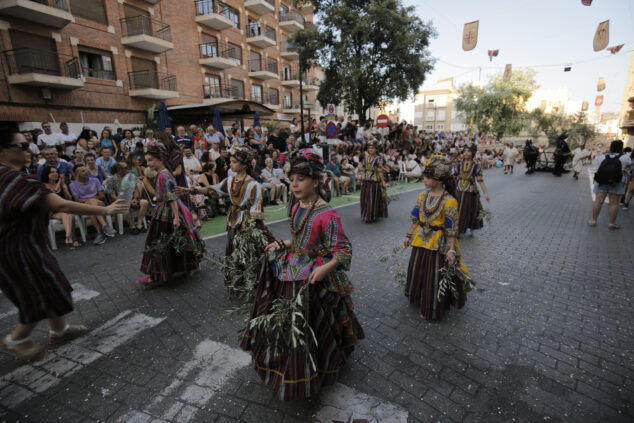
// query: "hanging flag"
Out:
[615,49]
[492,54]
[507,73]
[567,68]
[598,101]
[601,84]
[602,36]
[584,106]
[535,87]
[586,2]
[470,35]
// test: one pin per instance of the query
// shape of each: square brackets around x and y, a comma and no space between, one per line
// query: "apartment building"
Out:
[433,108]
[105,62]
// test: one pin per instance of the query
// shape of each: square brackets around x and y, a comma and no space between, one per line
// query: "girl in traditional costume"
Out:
[468,174]
[432,237]
[317,254]
[173,247]
[373,188]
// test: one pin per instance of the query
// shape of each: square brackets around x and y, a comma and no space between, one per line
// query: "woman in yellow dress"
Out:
[432,237]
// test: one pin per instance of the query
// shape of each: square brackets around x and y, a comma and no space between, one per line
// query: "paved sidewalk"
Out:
[546,335]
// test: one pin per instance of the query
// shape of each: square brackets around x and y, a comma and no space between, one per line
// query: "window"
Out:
[256,93]
[283,10]
[429,115]
[209,46]
[93,10]
[288,100]
[274,96]
[212,86]
[255,62]
[440,115]
[429,127]
[143,73]
[286,73]
[235,53]
[419,115]
[96,64]
[237,87]
[233,15]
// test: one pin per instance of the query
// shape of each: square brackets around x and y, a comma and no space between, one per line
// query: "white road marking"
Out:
[213,364]
[30,379]
[80,293]
[340,402]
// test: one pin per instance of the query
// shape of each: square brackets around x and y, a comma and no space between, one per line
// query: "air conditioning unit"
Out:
[46,94]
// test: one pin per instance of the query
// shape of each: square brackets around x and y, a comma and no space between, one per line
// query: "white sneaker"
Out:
[108,231]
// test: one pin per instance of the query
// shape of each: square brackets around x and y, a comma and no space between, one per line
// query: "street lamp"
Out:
[298,49]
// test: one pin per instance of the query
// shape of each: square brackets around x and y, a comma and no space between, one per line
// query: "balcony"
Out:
[153,1]
[145,33]
[43,68]
[151,84]
[289,51]
[214,14]
[261,35]
[216,55]
[291,21]
[216,93]
[263,69]
[260,7]
[290,108]
[306,8]
[311,84]
[52,13]
[272,102]
[289,79]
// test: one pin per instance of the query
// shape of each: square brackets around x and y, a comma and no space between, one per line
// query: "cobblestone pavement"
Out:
[546,335]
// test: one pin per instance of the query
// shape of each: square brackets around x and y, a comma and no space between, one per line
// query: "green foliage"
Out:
[499,107]
[550,124]
[485,214]
[395,265]
[271,125]
[581,132]
[285,327]
[450,274]
[176,241]
[370,50]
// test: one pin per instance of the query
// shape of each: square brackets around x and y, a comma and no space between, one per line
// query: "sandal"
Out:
[592,223]
[67,334]
[613,226]
[28,352]
[145,281]
[72,244]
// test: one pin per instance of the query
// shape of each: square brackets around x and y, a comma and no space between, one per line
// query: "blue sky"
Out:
[533,33]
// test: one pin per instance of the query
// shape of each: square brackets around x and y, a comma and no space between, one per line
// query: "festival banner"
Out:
[492,54]
[598,101]
[602,36]
[586,2]
[470,35]
[615,49]
[507,73]
[584,106]
[601,84]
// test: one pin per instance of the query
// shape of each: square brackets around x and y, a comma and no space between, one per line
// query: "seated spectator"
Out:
[52,160]
[134,167]
[113,186]
[106,141]
[200,143]
[128,143]
[273,183]
[85,189]
[139,151]
[341,181]
[48,138]
[51,178]
[348,170]
[106,161]
[182,139]
[191,163]
[222,164]
[78,156]
[413,171]
[94,171]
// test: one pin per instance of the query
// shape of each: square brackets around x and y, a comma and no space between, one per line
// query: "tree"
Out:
[500,106]
[581,131]
[550,124]
[370,50]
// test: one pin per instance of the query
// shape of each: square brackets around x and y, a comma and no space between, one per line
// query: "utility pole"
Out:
[301,94]
[478,103]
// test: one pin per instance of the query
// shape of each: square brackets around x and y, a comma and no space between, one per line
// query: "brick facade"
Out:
[102,100]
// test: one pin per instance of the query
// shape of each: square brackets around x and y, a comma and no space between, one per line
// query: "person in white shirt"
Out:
[69,140]
[413,169]
[48,138]
[579,154]
[509,154]
[191,163]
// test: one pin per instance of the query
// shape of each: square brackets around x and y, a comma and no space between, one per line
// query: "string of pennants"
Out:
[600,42]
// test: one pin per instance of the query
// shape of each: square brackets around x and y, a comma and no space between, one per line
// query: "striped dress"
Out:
[330,313]
[29,274]
[373,195]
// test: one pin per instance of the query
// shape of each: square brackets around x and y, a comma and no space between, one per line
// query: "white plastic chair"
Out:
[56,225]
[401,172]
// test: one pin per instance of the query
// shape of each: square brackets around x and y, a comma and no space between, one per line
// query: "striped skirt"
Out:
[468,210]
[423,275]
[373,205]
[334,324]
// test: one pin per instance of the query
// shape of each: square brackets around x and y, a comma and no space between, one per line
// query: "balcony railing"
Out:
[216,50]
[267,65]
[144,25]
[30,60]
[257,29]
[151,79]
[257,97]
[291,16]
[207,7]
[272,99]
[57,4]
[98,73]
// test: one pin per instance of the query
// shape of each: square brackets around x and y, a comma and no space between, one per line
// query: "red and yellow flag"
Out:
[470,35]
[602,36]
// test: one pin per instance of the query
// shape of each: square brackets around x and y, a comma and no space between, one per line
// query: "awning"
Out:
[229,109]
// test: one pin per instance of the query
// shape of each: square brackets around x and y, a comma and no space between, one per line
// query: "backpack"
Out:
[610,171]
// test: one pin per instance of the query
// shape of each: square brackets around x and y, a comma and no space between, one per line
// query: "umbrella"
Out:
[217,122]
[256,119]
[163,118]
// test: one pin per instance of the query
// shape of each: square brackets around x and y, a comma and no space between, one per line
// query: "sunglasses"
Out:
[22,146]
